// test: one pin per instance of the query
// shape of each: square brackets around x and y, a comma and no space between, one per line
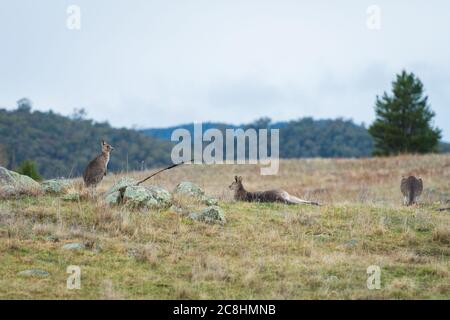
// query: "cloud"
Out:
[162,63]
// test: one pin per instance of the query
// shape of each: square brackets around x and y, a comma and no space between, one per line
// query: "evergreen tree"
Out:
[29,168]
[404,119]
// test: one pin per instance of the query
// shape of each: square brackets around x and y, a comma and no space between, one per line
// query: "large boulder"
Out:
[114,195]
[122,183]
[127,192]
[189,189]
[211,215]
[14,184]
[138,197]
[161,195]
[56,186]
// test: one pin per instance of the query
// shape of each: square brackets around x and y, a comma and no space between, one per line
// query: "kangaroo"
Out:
[240,194]
[97,168]
[411,188]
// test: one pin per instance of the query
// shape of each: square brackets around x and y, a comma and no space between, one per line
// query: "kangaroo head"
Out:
[237,183]
[107,148]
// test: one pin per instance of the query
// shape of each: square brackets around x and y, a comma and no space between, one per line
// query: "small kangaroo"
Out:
[411,188]
[240,194]
[97,168]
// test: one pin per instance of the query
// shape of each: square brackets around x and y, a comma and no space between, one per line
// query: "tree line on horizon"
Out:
[52,145]
[62,146]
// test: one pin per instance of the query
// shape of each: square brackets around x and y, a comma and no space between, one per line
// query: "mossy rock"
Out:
[138,197]
[14,184]
[56,186]
[122,183]
[211,215]
[189,189]
[114,195]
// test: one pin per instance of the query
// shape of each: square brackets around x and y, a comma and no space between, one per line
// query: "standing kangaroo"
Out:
[96,169]
[282,196]
[411,188]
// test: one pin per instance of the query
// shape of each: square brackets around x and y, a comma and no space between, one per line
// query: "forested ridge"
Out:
[62,146]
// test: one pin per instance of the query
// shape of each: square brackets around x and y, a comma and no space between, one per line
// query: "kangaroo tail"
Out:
[294,200]
[412,197]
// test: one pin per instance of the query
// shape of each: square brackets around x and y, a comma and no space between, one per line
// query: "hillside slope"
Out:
[62,146]
[303,138]
[264,251]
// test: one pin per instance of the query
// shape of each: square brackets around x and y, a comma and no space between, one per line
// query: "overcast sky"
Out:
[159,63]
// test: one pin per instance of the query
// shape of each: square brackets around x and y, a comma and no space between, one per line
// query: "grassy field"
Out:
[264,251]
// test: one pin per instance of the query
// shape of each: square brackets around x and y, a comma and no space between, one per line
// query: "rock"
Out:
[113,195]
[137,197]
[123,182]
[56,186]
[34,273]
[209,201]
[163,196]
[6,177]
[14,184]
[154,197]
[212,215]
[190,189]
[112,198]
[74,246]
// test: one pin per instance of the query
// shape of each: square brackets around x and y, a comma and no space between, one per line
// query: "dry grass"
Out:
[264,250]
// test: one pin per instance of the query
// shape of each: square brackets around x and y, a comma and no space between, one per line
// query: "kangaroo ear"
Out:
[240,179]
[103,142]
[236,178]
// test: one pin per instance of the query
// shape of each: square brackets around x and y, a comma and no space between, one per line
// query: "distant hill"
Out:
[444,147]
[62,146]
[301,138]
[304,138]
[165,133]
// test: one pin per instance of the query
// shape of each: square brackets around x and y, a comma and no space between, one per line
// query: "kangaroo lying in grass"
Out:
[240,194]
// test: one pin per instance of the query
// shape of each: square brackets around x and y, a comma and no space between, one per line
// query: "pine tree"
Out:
[29,168]
[404,119]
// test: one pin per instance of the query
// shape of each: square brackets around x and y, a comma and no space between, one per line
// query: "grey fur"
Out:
[97,168]
[240,194]
[411,188]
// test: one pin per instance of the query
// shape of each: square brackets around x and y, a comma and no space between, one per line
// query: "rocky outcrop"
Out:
[114,195]
[13,184]
[126,192]
[154,197]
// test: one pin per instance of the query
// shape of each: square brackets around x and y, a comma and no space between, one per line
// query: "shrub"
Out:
[29,168]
